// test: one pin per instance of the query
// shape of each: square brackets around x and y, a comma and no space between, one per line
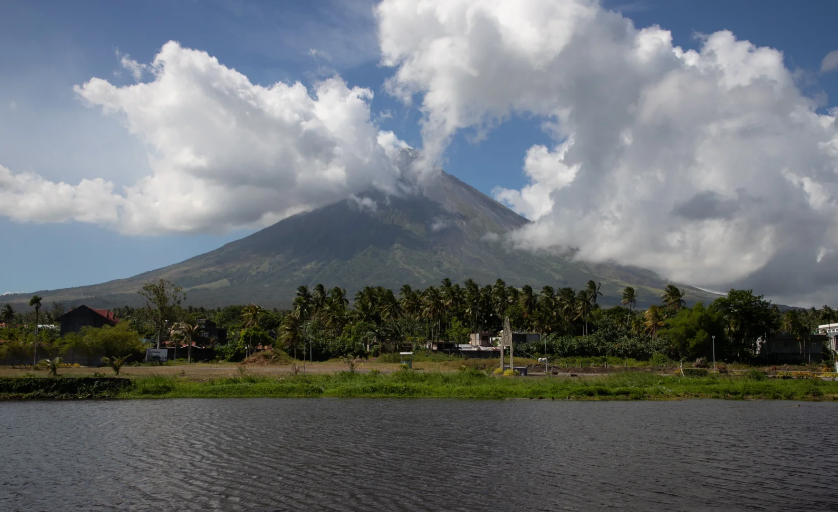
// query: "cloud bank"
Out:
[709,166]
[225,152]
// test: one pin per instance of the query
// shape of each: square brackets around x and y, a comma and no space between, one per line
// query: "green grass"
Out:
[469,383]
[476,384]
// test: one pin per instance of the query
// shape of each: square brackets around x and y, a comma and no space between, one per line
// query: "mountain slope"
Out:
[447,229]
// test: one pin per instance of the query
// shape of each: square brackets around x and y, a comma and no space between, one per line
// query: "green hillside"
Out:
[444,229]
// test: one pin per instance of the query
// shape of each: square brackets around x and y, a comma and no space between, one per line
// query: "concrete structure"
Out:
[83,316]
[831,332]
[480,339]
[789,348]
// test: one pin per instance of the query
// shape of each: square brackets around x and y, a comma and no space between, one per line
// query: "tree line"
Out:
[323,323]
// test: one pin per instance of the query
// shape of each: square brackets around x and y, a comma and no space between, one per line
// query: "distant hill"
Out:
[444,229]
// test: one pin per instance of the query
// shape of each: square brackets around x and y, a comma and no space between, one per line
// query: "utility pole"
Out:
[714,354]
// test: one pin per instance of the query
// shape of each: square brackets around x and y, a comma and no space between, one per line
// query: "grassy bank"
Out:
[466,384]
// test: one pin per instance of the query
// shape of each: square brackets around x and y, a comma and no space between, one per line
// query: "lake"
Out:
[374,454]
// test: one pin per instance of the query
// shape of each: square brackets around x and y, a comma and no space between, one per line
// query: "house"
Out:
[480,339]
[790,348]
[211,333]
[831,332]
[83,316]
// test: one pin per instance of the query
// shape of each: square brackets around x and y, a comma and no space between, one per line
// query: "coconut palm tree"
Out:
[115,363]
[566,303]
[593,292]
[654,320]
[303,303]
[528,302]
[290,332]
[252,314]
[629,298]
[584,307]
[187,331]
[433,306]
[7,314]
[319,298]
[52,365]
[410,301]
[673,298]
[35,302]
[388,306]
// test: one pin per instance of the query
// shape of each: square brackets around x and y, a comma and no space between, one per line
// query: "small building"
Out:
[83,316]
[789,348]
[480,339]
[525,337]
[831,332]
[210,333]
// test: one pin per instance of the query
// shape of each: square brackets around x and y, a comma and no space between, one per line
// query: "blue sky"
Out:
[47,47]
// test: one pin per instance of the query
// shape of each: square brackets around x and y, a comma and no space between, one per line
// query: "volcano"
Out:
[444,228]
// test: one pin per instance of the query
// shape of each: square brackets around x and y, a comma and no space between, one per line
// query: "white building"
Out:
[830,330]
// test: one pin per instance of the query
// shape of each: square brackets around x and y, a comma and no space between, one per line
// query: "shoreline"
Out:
[468,384]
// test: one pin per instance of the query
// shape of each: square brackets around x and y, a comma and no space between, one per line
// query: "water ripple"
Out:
[415,455]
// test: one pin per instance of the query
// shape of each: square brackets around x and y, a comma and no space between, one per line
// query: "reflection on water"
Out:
[355,454]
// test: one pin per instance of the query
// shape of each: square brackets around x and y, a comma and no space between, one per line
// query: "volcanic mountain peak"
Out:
[441,228]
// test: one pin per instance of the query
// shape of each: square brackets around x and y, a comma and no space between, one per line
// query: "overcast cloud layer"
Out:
[708,166]
[224,152]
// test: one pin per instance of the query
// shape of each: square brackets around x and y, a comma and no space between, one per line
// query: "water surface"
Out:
[361,454]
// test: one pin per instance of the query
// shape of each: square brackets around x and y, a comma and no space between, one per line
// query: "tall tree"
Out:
[162,303]
[35,302]
[188,331]
[584,307]
[433,307]
[592,289]
[629,298]
[303,303]
[566,303]
[748,317]
[654,320]
[673,298]
[8,314]
[410,301]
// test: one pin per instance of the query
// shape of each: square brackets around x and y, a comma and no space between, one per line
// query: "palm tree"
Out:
[289,332]
[433,306]
[319,298]
[566,303]
[673,298]
[302,303]
[252,314]
[36,302]
[115,363]
[593,292]
[529,302]
[388,306]
[52,364]
[654,320]
[410,301]
[629,298]
[500,298]
[584,306]
[7,314]
[188,331]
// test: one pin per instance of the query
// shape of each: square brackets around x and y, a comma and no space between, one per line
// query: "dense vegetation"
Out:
[322,324]
[407,384]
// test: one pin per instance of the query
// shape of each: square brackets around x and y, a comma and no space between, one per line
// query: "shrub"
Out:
[755,374]
[510,373]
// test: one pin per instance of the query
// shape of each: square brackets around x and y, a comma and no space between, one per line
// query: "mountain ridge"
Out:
[444,228]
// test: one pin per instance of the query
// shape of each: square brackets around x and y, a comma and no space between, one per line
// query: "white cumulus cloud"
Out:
[709,165]
[224,152]
[830,62]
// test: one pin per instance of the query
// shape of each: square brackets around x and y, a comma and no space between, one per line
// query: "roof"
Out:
[108,315]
